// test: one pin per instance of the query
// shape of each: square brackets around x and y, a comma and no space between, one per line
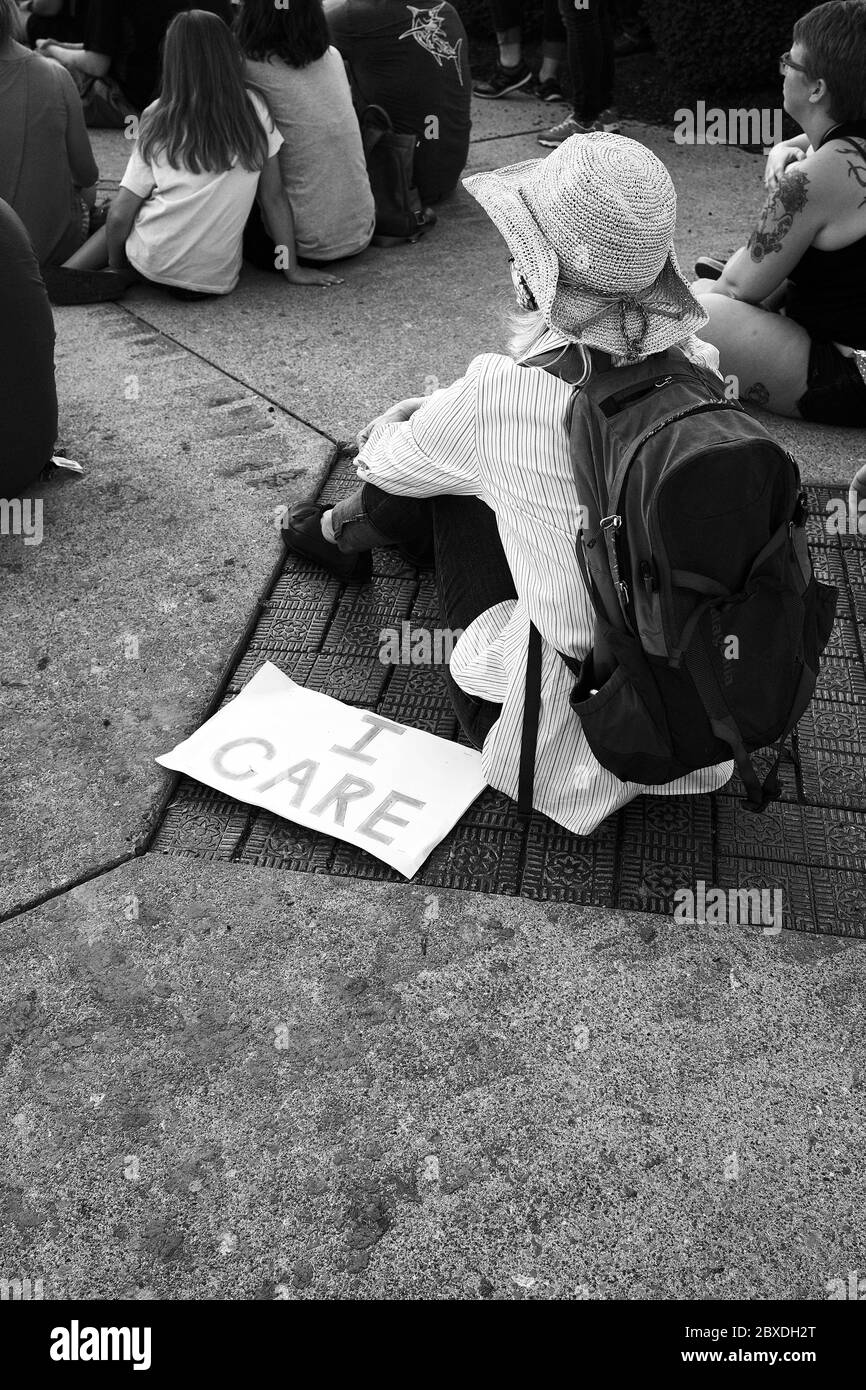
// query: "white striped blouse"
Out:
[500,433]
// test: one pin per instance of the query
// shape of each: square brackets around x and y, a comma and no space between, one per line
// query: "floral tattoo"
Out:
[778,215]
[757,393]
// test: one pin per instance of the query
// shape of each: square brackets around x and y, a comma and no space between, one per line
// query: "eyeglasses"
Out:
[786,62]
[525,297]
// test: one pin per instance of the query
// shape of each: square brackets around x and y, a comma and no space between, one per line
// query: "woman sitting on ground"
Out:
[788,311]
[28,395]
[204,148]
[289,59]
[47,170]
[590,232]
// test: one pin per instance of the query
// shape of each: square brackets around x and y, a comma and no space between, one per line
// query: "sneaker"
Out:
[608,121]
[84,286]
[708,268]
[503,81]
[302,534]
[550,90]
[558,134]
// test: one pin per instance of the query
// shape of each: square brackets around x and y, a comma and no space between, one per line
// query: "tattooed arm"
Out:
[792,216]
[854,154]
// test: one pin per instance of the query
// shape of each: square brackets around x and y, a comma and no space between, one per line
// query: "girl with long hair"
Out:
[289,59]
[205,148]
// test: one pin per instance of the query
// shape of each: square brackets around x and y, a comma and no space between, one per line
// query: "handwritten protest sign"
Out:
[391,790]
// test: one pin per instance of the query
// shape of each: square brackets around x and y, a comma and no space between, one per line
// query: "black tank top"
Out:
[827,293]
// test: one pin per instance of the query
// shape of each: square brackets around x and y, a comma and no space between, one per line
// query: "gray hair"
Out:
[527,326]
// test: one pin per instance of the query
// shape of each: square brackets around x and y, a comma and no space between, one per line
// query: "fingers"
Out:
[301,275]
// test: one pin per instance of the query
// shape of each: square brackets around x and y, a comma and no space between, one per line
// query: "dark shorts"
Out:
[259,248]
[836,392]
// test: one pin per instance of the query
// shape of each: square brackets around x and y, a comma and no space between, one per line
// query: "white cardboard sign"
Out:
[391,790]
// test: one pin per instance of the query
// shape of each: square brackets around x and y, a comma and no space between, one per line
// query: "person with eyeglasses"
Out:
[788,310]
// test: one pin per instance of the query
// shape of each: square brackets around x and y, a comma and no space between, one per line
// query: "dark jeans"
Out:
[472,572]
[590,56]
[508,14]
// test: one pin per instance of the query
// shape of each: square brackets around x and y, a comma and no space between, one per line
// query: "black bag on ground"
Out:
[708,619]
[390,159]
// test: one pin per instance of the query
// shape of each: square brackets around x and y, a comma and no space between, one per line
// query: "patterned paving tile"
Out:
[202,823]
[560,867]
[792,880]
[364,615]
[276,843]
[810,845]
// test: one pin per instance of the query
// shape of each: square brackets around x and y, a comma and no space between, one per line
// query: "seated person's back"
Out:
[130,33]
[63,20]
[414,63]
[324,173]
[28,396]
[45,153]
[827,286]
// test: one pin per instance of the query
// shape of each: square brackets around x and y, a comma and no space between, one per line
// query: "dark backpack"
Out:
[708,619]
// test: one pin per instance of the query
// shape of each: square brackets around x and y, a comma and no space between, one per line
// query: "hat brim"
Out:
[672,311]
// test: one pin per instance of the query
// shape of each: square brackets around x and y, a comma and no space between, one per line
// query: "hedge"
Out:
[479,25]
[706,48]
[703,47]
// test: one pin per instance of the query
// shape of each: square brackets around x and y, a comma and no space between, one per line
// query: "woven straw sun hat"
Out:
[590,229]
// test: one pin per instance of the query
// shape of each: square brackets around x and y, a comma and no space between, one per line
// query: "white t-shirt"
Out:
[189,232]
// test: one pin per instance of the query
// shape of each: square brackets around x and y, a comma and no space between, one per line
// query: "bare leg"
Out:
[766,352]
[93,255]
[510,47]
[552,58]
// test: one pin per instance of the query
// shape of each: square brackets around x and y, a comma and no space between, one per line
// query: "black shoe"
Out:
[302,534]
[84,286]
[708,268]
[503,81]
[549,90]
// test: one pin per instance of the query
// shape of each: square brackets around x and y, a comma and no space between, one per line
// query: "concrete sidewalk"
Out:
[221,1082]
